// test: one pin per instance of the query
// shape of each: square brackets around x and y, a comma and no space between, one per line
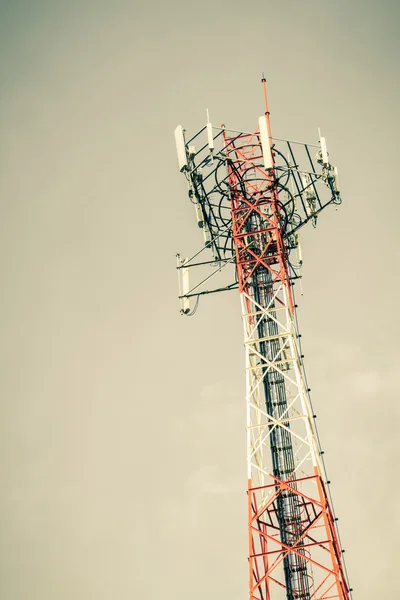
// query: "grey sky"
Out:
[122,424]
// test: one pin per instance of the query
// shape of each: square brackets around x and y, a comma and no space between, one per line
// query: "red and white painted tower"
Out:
[252,193]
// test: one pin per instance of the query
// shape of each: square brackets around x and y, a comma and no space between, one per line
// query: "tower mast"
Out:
[250,202]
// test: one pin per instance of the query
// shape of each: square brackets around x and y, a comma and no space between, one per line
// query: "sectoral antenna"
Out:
[181,148]
[183,283]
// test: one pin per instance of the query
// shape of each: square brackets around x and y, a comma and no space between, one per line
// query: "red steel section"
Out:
[317,543]
[254,198]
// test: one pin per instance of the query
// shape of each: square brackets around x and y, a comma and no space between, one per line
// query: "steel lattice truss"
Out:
[250,216]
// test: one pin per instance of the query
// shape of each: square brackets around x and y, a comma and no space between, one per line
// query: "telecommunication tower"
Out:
[251,194]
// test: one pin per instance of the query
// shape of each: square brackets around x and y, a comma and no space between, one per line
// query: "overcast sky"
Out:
[122,423]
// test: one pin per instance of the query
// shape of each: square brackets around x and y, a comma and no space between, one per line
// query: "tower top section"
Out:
[300,176]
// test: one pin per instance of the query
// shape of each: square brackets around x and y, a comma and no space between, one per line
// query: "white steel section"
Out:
[303,394]
[265,143]
[297,419]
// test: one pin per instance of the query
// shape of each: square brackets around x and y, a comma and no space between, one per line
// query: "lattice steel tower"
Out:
[251,194]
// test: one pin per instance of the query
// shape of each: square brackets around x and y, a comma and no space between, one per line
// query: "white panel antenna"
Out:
[199,215]
[180,148]
[207,235]
[305,180]
[210,138]
[324,150]
[336,172]
[299,253]
[265,143]
[307,186]
[185,290]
